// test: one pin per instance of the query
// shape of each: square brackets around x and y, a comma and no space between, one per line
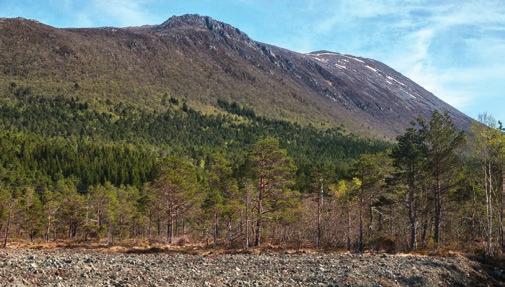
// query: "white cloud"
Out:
[125,12]
[436,82]
[118,12]
[454,49]
[414,55]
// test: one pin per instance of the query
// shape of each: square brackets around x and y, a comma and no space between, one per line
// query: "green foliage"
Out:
[34,158]
[72,207]
[442,140]
[372,170]
[109,171]
[5,198]
[345,190]
[47,139]
[176,191]
[410,157]
[30,212]
[95,170]
[223,196]
[272,166]
[236,109]
[274,172]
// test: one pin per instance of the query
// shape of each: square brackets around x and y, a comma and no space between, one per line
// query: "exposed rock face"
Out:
[202,60]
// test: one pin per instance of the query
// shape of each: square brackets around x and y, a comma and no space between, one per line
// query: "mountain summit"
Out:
[201,60]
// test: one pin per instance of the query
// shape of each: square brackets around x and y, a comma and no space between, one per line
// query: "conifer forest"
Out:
[92,171]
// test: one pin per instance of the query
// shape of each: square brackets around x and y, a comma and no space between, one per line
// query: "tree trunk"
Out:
[172,223]
[149,223]
[438,211]
[7,226]
[99,218]
[111,234]
[216,228]
[248,200]
[427,224]
[319,207]
[259,214]
[502,206]
[48,229]
[370,218]
[412,219]
[348,228]
[360,239]
[176,225]
[488,185]
[258,226]
[169,230]
[230,235]
[380,222]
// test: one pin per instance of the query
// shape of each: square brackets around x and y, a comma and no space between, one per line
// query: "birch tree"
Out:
[489,148]
[345,192]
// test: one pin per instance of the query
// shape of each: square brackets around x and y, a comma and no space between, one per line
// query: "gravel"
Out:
[76,267]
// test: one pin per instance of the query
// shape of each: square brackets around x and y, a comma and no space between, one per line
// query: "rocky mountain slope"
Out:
[202,60]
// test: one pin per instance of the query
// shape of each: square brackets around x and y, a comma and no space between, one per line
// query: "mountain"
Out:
[201,60]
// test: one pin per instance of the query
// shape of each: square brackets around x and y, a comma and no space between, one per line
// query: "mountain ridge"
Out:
[201,60]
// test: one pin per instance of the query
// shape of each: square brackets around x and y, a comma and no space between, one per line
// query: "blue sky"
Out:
[455,49]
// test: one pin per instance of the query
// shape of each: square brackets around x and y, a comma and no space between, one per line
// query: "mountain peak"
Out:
[199,22]
[194,21]
[187,20]
[211,60]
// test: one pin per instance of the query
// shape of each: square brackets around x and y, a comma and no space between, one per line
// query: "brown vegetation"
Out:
[201,60]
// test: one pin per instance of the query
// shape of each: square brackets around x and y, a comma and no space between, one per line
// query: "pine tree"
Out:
[273,170]
[442,141]
[372,171]
[52,205]
[6,213]
[73,207]
[30,212]
[177,190]
[410,161]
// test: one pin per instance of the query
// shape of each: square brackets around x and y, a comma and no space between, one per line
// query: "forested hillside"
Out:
[203,60]
[97,170]
[58,137]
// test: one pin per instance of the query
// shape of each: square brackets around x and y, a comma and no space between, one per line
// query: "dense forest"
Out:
[98,170]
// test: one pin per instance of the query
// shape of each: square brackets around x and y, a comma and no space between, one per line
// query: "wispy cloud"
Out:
[107,12]
[451,78]
[452,48]
[126,12]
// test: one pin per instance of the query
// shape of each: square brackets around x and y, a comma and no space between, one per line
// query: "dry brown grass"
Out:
[203,249]
[146,246]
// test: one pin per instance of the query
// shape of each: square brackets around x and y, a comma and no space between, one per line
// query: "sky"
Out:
[454,49]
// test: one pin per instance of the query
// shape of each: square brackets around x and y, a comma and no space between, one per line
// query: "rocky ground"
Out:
[79,267]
